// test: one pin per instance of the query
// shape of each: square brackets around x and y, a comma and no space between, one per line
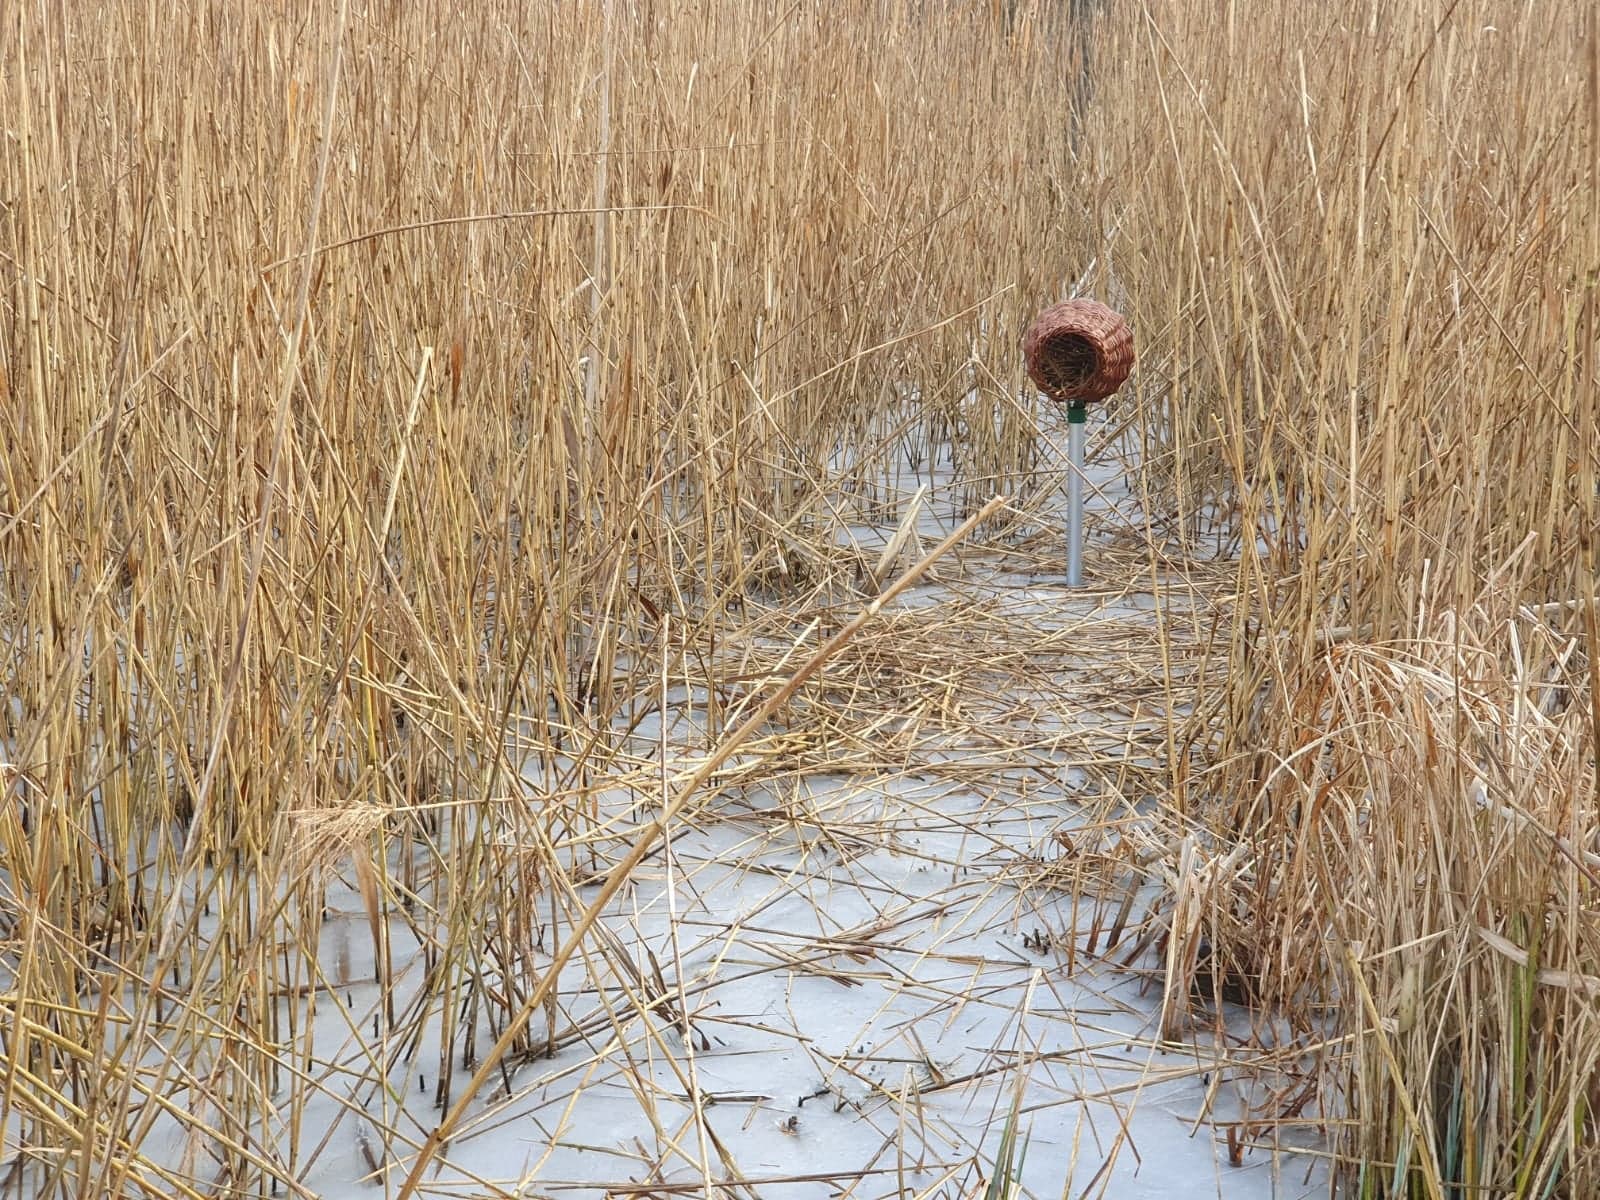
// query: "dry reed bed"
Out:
[1360,248]
[292,540]
[375,383]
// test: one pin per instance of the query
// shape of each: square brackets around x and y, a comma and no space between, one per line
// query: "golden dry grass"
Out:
[394,398]
[1371,334]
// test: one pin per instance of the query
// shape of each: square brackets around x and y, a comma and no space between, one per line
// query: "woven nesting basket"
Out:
[1078,351]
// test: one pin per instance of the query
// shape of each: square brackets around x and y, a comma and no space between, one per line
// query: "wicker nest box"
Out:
[1078,351]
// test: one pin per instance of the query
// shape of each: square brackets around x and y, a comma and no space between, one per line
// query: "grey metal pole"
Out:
[1075,455]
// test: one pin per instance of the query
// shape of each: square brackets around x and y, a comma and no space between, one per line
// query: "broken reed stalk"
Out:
[623,870]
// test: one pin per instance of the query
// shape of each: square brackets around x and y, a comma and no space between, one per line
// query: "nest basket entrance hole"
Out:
[1067,362]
